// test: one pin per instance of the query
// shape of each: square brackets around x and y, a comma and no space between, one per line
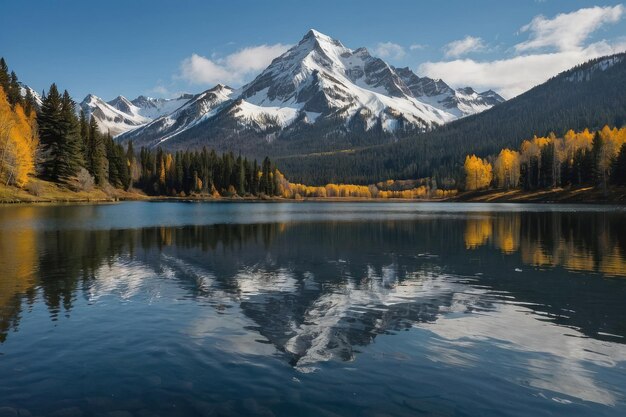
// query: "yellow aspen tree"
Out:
[478,173]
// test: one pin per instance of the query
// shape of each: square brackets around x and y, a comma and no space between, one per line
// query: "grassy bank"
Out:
[40,191]
[613,195]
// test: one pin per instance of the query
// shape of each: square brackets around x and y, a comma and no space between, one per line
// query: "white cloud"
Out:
[160,90]
[567,31]
[232,69]
[417,46]
[464,46]
[389,50]
[558,44]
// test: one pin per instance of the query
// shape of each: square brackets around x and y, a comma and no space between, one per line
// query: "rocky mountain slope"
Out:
[318,88]
[589,95]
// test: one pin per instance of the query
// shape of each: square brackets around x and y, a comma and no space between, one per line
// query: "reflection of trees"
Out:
[319,290]
[18,258]
[576,241]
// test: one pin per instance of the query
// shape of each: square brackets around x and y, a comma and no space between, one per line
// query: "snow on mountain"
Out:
[196,110]
[24,88]
[320,75]
[585,72]
[115,117]
[318,82]
[461,102]
[154,108]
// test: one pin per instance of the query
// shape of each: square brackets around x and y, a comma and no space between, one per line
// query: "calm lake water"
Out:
[312,309]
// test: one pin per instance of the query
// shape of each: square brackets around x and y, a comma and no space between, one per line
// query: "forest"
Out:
[560,104]
[50,141]
[577,158]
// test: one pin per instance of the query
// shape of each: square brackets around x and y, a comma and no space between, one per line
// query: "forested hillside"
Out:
[588,96]
[50,144]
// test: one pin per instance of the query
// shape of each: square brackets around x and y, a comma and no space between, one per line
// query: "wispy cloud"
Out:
[553,45]
[417,47]
[233,69]
[567,31]
[464,46]
[389,50]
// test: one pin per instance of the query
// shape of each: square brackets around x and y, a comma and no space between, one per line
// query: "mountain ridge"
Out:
[555,106]
[318,88]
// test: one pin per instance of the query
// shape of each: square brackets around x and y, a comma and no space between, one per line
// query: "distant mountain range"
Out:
[121,115]
[317,89]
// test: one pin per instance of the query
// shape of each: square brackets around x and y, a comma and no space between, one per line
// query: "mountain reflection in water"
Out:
[547,286]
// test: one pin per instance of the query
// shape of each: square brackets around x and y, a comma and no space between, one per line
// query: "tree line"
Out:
[204,172]
[577,158]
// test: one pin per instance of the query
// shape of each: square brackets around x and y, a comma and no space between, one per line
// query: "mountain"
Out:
[321,95]
[121,115]
[115,117]
[461,102]
[24,88]
[196,110]
[154,108]
[590,95]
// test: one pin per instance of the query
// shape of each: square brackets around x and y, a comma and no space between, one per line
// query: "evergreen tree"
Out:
[14,94]
[84,136]
[265,186]
[240,181]
[254,184]
[50,134]
[597,151]
[30,104]
[4,76]
[179,172]
[69,158]
[618,171]
[95,151]
[546,172]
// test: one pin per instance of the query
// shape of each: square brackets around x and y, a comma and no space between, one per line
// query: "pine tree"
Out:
[84,136]
[69,158]
[50,131]
[240,183]
[14,94]
[4,76]
[95,151]
[264,186]
[618,171]
[597,151]
[254,185]
[30,104]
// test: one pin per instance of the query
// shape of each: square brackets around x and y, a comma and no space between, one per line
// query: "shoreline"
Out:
[578,195]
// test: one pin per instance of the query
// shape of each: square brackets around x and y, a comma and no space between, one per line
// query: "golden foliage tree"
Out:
[478,173]
[507,168]
[18,143]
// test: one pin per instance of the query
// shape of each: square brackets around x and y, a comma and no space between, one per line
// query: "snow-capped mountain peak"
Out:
[321,86]
[115,117]
[36,96]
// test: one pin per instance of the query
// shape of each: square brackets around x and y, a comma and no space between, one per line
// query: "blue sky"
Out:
[161,48]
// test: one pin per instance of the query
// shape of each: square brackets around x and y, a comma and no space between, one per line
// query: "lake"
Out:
[312,309]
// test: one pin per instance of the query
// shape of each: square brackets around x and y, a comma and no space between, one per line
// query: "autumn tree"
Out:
[478,173]
[18,142]
[507,168]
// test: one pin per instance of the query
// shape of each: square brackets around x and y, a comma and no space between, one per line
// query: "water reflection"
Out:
[576,241]
[321,292]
